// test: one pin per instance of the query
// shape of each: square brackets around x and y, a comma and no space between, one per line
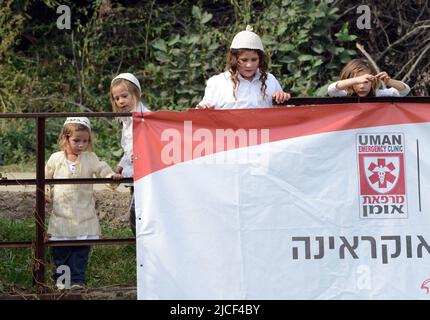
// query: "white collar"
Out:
[139,108]
[256,76]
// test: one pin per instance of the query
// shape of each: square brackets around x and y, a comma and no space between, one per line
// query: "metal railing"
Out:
[40,181]
[40,243]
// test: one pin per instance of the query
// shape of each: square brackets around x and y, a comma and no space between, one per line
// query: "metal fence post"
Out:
[39,263]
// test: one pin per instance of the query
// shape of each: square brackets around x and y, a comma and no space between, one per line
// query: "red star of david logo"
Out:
[381,173]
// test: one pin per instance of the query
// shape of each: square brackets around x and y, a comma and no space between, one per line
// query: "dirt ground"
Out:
[111,205]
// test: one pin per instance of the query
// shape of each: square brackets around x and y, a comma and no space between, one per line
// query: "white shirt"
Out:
[127,142]
[73,205]
[72,167]
[219,92]
[332,91]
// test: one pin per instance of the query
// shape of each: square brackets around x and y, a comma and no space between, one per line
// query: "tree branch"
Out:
[416,63]
[407,35]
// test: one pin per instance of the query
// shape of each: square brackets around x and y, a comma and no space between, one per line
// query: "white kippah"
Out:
[127,76]
[78,120]
[247,40]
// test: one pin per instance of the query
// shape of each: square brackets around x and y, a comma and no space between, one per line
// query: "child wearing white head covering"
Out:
[246,82]
[125,93]
[73,214]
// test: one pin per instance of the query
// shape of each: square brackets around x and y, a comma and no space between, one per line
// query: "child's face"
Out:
[78,142]
[363,89]
[247,64]
[124,100]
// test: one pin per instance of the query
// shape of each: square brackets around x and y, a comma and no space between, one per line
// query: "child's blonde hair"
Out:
[233,56]
[130,87]
[67,132]
[355,66]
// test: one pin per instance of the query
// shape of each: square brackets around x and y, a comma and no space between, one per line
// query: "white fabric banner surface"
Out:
[341,212]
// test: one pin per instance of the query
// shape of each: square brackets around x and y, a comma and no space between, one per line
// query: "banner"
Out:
[314,202]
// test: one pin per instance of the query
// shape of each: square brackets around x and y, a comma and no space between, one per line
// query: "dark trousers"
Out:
[76,257]
[132,212]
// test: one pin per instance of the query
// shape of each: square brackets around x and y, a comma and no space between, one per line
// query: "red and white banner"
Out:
[314,202]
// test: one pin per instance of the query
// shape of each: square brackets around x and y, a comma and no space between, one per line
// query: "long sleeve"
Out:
[275,86]
[210,92]
[49,174]
[393,92]
[49,168]
[405,91]
[73,206]
[332,91]
[127,146]
[101,168]
[125,160]
[219,92]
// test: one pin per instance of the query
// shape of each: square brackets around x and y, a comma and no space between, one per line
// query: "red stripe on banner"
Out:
[166,138]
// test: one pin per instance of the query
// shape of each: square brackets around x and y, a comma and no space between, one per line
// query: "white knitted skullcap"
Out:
[78,120]
[127,76]
[247,40]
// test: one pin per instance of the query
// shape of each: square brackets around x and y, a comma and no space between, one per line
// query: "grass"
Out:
[109,265]
[19,167]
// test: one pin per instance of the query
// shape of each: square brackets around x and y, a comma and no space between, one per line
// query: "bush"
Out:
[173,48]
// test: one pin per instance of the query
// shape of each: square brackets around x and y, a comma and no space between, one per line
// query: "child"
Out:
[125,95]
[246,83]
[73,216]
[359,78]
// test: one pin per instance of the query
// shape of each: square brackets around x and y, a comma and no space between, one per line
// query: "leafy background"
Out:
[174,47]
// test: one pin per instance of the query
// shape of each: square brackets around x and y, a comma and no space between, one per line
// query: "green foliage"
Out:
[299,37]
[182,62]
[108,265]
[18,140]
[172,47]
[107,132]
[15,268]
[11,24]
[112,265]
[17,230]
[15,263]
